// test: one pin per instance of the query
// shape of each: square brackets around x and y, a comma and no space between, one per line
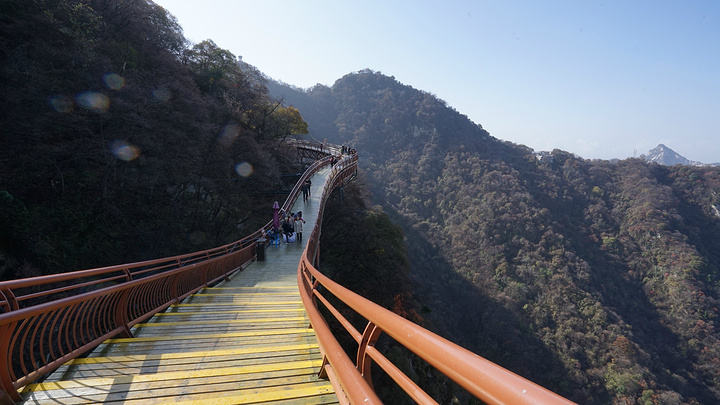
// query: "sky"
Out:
[600,79]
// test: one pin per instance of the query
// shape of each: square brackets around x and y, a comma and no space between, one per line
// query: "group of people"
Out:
[344,150]
[291,227]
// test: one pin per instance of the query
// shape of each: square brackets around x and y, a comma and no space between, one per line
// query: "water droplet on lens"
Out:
[244,169]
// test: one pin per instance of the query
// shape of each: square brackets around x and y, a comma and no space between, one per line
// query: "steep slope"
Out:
[597,280]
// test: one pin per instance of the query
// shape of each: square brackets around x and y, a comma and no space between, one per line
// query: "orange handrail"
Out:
[39,338]
[482,378]
[48,320]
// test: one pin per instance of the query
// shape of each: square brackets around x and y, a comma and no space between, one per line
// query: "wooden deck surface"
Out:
[244,341]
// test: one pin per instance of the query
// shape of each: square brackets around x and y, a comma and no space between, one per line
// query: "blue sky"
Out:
[599,79]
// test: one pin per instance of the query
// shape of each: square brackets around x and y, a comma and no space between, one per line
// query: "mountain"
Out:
[596,279]
[668,157]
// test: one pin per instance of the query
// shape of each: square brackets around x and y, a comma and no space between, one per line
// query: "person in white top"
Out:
[299,221]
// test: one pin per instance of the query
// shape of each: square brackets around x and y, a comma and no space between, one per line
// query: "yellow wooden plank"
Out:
[152,390]
[228,341]
[107,370]
[232,304]
[178,375]
[129,348]
[222,322]
[265,332]
[240,311]
[249,294]
[265,395]
[181,355]
[252,288]
[68,375]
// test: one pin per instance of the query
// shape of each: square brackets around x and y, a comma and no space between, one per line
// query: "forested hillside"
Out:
[598,280]
[120,141]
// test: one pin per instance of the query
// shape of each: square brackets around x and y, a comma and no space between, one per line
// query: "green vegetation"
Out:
[365,237]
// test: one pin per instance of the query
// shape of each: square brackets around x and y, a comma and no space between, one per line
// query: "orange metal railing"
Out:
[46,321]
[49,320]
[482,378]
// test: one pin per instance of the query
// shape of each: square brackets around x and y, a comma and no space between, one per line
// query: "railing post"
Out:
[205,270]
[175,287]
[364,362]
[226,272]
[316,255]
[121,314]
[315,285]
[9,394]
[323,372]
[11,303]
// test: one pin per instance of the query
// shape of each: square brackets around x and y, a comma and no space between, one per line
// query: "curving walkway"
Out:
[246,340]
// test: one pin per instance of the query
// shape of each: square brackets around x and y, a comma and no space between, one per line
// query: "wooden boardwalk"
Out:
[244,341]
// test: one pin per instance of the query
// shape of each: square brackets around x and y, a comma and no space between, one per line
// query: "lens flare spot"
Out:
[244,169]
[124,151]
[62,104]
[93,101]
[161,94]
[114,81]
[228,135]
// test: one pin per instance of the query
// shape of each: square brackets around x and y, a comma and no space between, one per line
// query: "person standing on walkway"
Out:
[304,189]
[287,229]
[307,185]
[299,221]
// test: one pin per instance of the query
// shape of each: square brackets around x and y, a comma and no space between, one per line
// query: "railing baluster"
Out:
[54,332]
[369,337]
[65,327]
[7,376]
[122,314]
[43,329]
[26,326]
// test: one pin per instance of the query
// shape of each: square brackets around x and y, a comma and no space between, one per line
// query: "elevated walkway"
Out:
[246,340]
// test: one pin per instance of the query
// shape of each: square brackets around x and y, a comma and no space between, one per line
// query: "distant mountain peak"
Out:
[663,155]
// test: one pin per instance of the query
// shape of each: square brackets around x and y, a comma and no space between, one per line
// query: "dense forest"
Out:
[597,279]
[121,141]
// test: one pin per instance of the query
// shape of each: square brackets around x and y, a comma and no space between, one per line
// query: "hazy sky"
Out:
[601,79]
